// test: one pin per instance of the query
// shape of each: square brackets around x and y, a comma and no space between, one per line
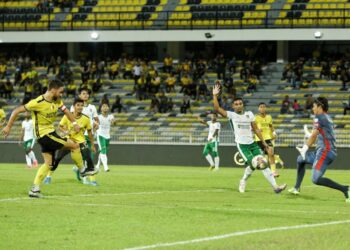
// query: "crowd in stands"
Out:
[152,81]
[331,69]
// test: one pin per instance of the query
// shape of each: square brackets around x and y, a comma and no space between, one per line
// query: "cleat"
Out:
[242,185]
[216,169]
[35,163]
[77,173]
[347,200]
[294,191]
[279,189]
[211,168]
[29,166]
[35,194]
[86,181]
[93,183]
[47,180]
[88,172]
[107,170]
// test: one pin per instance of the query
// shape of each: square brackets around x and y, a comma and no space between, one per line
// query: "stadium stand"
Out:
[164,14]
[142,120]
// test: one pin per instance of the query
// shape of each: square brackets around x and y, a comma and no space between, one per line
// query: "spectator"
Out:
[113,70]
[163,103]
[137,71]
[168,64]
[309,102]
[344,77]
[170,105]
[52,65]
[296,108]
[3,70]
[252,84]
[185,84]
[228,84]
[117,105]
[170,83]
[141,88]
[220,62]
[128,67]
[232,65]
[346,106]
[286,105]
[203,90]
[325,70]
[186,105]
[154,108]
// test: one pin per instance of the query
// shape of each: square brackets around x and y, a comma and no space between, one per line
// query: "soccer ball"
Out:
[259,162]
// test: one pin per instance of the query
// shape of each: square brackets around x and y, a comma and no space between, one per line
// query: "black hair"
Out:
[262,103]
[55,84]
[237,99]
[105,102]
[322,102]
[78,100]
[84,89]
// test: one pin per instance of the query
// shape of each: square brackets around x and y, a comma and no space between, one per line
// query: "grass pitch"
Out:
[146,207]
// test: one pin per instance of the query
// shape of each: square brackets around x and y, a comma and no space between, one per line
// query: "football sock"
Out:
[269,177]
[210,160]
[331,184]
[32,156]
[300,175]
[247,173]
[98,162]
[41,174]
[216,161]
[104,160]
[29,161]
[273,167]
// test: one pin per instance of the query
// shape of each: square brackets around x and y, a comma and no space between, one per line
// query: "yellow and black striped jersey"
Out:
[43,114]
[83,121]
[265,125]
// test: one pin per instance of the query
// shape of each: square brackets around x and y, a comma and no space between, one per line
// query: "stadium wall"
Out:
[174,155]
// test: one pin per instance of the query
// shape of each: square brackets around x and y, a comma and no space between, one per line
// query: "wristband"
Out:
[75,123]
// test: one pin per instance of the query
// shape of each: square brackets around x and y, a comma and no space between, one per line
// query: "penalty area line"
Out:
[235,234]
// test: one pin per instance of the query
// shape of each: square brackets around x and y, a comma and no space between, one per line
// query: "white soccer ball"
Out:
[259,162]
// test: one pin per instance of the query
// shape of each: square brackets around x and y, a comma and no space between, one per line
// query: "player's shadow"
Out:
[301,197]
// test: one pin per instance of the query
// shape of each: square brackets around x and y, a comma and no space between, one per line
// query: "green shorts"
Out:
[103,144]
[249,151]
[211,148]
[28,145]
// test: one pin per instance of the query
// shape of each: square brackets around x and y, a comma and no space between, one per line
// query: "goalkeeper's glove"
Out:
[302,150]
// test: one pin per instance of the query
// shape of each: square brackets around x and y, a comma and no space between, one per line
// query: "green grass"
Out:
[142,205]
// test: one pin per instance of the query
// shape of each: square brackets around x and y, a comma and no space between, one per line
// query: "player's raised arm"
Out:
[6,130]
[217,108]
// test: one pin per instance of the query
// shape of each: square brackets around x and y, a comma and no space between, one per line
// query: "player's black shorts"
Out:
[51,142]
[268,142]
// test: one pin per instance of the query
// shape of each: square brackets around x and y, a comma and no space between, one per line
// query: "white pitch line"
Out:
[234,234]
[116,194]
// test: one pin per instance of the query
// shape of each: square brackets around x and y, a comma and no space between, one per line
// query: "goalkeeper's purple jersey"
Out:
[326,137]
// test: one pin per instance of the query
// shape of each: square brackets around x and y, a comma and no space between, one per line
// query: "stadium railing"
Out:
[156,137]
